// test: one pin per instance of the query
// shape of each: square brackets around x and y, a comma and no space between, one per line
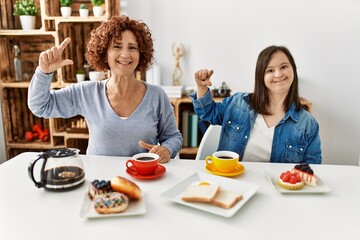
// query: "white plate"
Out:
[247,189]
[320,188]
[136,207]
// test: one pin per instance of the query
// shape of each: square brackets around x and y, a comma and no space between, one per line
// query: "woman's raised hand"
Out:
[50,60]
[202,79]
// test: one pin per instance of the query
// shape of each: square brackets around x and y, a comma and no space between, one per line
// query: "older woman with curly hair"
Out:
[125,116]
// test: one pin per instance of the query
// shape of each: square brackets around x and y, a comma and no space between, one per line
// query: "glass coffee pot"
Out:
[62,169]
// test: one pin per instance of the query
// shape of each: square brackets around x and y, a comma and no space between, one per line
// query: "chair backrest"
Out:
[209,142]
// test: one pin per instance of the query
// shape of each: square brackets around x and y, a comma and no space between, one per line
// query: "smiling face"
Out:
[279,74]
[123,55]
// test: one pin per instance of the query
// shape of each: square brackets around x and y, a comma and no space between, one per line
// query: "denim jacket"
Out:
[296,136]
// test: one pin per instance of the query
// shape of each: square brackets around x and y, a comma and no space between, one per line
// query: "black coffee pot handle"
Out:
[31,171]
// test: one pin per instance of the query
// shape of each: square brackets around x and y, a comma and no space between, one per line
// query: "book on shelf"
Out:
[185,127]
[193,129]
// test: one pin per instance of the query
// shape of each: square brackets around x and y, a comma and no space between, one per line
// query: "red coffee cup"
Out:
[144,163]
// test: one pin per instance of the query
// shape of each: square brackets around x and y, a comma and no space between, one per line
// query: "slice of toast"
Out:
[226,199]
[205,193]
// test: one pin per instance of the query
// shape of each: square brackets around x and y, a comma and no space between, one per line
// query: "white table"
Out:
[27,212]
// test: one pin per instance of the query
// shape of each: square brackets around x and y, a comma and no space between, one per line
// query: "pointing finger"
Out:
[64,44]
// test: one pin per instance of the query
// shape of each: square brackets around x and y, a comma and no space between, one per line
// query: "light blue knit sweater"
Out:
[153,121]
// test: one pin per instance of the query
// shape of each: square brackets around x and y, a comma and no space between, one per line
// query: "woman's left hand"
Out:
[163,152]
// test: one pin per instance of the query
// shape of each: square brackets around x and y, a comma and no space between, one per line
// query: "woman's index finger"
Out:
[64,44]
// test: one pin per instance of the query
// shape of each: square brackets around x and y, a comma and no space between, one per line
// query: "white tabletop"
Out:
[27,212]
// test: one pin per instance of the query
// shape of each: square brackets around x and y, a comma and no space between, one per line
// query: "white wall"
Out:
[227,36]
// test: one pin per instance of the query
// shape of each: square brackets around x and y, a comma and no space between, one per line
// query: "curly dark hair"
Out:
[259,99]
[102,36]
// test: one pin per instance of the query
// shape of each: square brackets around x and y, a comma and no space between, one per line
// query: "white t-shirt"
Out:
[258,148]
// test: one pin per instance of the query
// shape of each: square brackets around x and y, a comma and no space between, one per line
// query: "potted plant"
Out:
[84,11]
[80,75]
[27,10]
[97,7]
[65,8]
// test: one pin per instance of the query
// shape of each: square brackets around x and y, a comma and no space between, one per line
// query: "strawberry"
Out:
[292,179]
[286,178]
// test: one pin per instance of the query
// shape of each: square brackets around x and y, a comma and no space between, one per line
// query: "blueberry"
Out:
[303,168]
[310,171]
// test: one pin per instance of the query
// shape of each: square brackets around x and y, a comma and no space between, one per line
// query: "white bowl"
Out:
[96,76]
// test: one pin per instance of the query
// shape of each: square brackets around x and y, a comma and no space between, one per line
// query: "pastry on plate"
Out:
[306,173]
[290,181]
[99,187]
[113,202]
[126,186]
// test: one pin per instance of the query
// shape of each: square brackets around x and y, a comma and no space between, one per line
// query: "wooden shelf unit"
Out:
[181,104]
[51,30]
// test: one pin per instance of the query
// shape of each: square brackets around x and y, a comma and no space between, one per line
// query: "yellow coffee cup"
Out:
[223,161]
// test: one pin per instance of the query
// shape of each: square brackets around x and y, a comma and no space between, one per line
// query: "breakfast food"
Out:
[210,192]
[204,183]
[290,181]
[226,199]
[306,173]
[124,185]
[113,202]
[99,187]
[201,192]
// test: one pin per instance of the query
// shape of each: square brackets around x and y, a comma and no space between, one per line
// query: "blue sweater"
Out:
[153,121]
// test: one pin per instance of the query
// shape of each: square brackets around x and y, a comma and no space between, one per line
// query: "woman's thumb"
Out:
[66,62]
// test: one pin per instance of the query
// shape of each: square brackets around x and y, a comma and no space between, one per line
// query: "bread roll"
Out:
[126,186]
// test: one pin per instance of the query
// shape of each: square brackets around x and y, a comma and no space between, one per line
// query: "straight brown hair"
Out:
[259,99]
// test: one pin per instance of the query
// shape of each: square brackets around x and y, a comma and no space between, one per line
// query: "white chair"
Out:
[209,142]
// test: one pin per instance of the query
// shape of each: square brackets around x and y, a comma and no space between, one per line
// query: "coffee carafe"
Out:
[62,169]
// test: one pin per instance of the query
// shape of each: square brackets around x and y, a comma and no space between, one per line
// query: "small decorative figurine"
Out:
[178,52]
[17,64]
